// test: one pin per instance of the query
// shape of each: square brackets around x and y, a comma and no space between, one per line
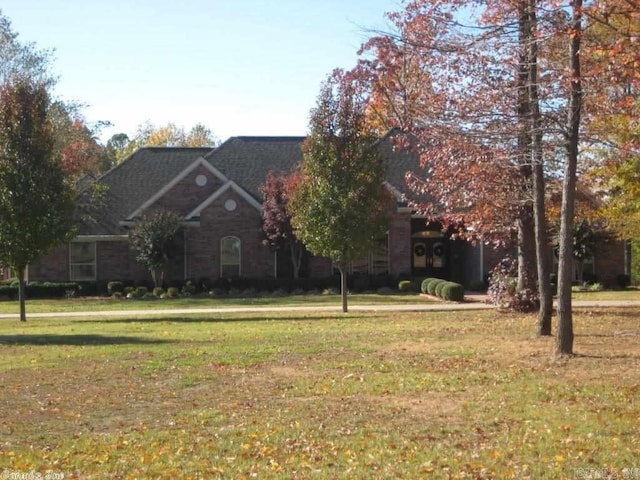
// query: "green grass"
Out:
[362,395]
[105,303]
[631,293]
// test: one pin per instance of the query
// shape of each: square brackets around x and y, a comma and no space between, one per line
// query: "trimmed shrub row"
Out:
[443,289]
[41,290]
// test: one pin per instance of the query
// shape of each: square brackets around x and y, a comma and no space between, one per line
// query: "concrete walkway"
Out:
[471,304]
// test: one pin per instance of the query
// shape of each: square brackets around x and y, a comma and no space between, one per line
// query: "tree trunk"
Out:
[343,288]
[526,250]
[296,257]
[21,293]
[541,238]
[564,345]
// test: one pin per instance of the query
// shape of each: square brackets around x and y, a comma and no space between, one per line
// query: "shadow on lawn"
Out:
[47,339]
[309,318]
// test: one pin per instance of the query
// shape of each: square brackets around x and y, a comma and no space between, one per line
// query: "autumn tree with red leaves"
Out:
[276,220]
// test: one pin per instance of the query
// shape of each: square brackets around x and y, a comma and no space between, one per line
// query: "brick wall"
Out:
[186,195]
[203,242]
[52,267]
[609,262]
[400,243]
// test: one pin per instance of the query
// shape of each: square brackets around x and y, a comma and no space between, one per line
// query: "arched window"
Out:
[230,257]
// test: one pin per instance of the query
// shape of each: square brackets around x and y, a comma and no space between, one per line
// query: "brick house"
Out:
[216,191]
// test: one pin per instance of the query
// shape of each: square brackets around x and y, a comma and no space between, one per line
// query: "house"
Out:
[216,191]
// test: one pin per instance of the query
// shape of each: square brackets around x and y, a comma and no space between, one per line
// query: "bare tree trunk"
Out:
[526,250]
[343,287]
[22,293]
[542,243]
[564,345]
[296,257]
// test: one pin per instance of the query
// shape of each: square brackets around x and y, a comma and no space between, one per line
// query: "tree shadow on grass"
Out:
[234,319]
[86,339]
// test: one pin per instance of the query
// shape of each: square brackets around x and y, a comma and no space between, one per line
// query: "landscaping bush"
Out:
[439,287]
[425,283]
[525,301]
[453,292]
[41,290]
[431,286]
[503,282]
[405,286]
[189,288]
[172,292]
[128,291]
[158,291]
[141,291]
[115,286]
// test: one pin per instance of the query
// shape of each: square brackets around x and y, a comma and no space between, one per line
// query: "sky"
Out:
[240,67]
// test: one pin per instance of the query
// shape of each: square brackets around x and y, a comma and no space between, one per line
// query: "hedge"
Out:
[41,290]
[443,289]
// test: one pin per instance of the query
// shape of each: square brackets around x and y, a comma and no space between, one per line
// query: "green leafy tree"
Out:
[341,207]
[120,146]
[155,237]
[36,200]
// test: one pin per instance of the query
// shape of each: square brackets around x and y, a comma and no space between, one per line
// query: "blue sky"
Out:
[241,67]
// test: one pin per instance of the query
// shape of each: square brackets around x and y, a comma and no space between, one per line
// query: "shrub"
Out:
[172,292]
[503,282]
[189,288]
[439,287]
[425,283]
[405,286]
[115,286]
[141,291]
[117,295]
[525,301]
[431,286]
[158,291]
[453,292]
[128,290]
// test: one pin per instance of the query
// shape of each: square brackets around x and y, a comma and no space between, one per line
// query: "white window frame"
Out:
[239,264]
[93,264]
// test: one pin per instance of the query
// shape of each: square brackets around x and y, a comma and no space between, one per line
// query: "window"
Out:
[82,261]
[230,248]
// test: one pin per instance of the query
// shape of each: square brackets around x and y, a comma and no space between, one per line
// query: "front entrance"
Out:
[430,250]
[429,257]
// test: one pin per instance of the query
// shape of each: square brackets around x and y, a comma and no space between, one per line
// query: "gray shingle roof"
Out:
[248,160]
[245,160]
[134,181]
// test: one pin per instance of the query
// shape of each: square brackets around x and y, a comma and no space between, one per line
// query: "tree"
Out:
[464,85]
[276,221]
[155,238]
[20,59]
[341,207]
[564,344]
[120,146]
[36,200]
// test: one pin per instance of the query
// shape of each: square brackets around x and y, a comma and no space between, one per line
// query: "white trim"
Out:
[200,161]
[399,196]
[100,238]
[215,195]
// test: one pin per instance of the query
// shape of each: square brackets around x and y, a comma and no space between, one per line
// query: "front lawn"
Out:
[363,395]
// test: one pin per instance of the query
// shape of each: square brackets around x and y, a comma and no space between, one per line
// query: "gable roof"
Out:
[248,160]
[134,181]
[242,163]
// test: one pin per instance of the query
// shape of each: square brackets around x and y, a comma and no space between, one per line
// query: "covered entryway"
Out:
[429,250]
